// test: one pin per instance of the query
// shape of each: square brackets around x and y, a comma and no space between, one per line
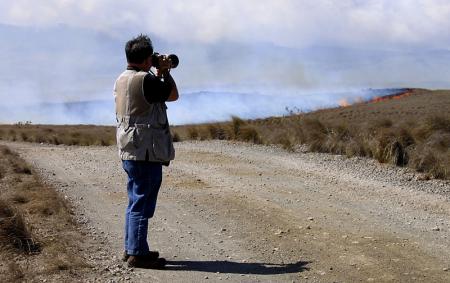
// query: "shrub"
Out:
[387,148]
[404,137]
[24,136]
[284,141]
[249,133]
[336,139]
[237,124]
[381,123]
[203,134]
[40,138]
[19,198]
[355,147]
[217,132]
[315,134]
[314,130]
[439,141]
[13,230]
[176,137]
[6,151]
[55,140]
[193,133]
[427,161]
[431,125]
[437,123]
[15,273]
[21,168]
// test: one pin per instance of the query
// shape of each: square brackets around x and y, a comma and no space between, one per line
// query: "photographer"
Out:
[144,141]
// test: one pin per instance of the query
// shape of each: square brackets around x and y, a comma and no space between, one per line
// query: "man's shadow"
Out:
[238,267]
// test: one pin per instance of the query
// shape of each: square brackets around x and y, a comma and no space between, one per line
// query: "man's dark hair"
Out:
[138,49]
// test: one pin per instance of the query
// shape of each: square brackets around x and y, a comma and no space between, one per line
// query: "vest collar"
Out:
[133,68]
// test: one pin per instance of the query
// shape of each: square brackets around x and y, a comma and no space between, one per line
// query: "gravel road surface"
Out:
[237,212]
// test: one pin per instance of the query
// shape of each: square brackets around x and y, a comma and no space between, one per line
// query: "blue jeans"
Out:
[144,180]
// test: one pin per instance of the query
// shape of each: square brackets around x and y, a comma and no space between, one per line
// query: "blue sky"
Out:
[65,50]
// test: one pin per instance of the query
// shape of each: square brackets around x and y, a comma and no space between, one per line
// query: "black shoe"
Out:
[151,255]
[146,262]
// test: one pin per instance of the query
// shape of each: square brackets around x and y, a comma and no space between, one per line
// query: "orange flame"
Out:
[344,103]
[406,93]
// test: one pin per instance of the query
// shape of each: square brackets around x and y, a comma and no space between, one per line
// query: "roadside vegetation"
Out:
[38,238]
[412,130]
[59,134]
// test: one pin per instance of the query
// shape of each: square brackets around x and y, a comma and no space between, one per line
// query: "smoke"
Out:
[195,107]
[69,75]
[205,106]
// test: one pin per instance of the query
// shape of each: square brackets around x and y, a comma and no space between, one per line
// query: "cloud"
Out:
[294,23]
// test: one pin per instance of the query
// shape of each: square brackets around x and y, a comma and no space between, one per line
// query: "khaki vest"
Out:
[143,128]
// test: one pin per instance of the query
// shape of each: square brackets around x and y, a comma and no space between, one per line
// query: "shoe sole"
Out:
[160,263]
[151,255]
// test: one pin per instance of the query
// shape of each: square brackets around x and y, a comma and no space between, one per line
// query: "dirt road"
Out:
[243,213]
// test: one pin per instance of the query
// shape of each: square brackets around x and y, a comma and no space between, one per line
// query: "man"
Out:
[144,142]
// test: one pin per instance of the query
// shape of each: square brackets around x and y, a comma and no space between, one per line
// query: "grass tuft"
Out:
[176,137]
[14,232]
[19,198]
[193,133]
[248,133]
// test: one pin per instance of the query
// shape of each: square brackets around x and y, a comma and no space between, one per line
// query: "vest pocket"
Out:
[126,138]
[162,145]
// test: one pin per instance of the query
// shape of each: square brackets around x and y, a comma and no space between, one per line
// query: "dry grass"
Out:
[65,134]
[412,131]
[38,237]
[14,232]
[12,273]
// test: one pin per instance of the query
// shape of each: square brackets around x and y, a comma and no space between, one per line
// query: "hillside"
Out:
[411,129]
[418,104]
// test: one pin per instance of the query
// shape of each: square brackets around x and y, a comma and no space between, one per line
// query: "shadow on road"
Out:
[237,267]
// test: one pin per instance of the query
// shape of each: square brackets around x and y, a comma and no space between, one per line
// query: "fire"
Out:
[359,100]
[344,103]
[401,95]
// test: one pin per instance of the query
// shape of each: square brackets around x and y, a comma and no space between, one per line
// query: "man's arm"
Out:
[160,88]
[164,72]
[173,96]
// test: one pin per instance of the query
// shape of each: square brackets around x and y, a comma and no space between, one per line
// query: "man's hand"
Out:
[164,67]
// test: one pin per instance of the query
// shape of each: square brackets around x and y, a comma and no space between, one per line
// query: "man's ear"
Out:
[149,60]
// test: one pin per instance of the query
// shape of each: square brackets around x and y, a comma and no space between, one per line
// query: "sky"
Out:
[58,51]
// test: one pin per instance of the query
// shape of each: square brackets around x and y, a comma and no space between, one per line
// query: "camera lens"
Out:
[174,59]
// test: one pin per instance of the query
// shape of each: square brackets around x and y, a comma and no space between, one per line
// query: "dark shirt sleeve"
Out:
[156,90]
